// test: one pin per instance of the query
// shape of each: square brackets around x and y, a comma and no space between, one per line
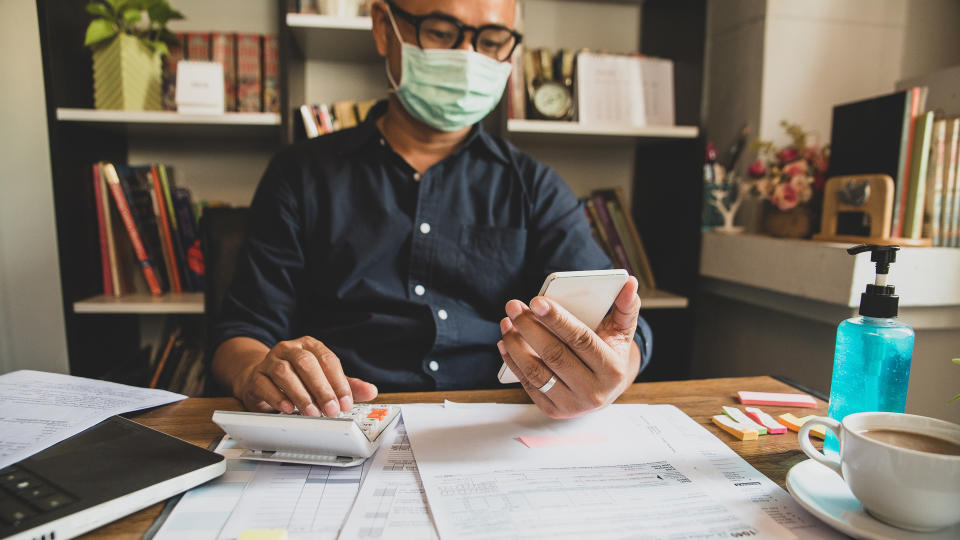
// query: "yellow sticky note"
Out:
[738,430]
[794,424]
[263,534]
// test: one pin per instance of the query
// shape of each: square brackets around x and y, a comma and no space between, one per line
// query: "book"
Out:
[599,234]
[106,265]
[271,74]
[310,127]
[166,230]
[645,276]
[136,184]
[189,238]
[916,186]
[616,244]
[198,46]
[868,137]
[933,204]
[952,158]
[346,114]
[176,53]
[166,181]
[326,121]
[223,50]
[618,222]
[955,210]
[249,73]
[902,187]
[120,199]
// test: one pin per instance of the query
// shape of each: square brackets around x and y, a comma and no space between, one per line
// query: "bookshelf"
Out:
[142,304]
[326,59]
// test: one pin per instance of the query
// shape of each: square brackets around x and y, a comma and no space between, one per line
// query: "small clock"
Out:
[552,100]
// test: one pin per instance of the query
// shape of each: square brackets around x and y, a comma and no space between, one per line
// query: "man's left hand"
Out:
[592,368]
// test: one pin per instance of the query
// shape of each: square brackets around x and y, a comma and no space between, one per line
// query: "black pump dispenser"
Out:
[879,300]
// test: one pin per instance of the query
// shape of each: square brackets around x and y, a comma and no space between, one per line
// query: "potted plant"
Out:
[790,182]
[129,39]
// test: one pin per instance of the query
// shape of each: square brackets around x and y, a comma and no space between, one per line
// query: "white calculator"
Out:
[341,441]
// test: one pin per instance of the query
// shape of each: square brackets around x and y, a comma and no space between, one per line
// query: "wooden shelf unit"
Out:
[547,127]
[335,38]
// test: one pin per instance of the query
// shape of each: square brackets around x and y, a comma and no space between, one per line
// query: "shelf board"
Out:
[142,304]
[334,38]
[547,127]
[159,122]
[657,299]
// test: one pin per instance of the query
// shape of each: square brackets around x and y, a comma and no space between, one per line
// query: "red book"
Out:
[198,46]
[113,182]
[616,243]
[249,73]
[903,186]
[224,50]
[105,267]
[166,231]
[271,74]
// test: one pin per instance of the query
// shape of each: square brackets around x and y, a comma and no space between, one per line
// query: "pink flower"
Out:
[785,196]
[796,168]
[757,168]
[788,154]
[810,153]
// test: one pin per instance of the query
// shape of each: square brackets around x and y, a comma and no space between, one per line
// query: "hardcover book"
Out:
[198,46]
[271,74]
[933,203]
[916,187]
[249,73]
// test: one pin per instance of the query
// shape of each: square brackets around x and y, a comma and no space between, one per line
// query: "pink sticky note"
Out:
[783,400]
[575,439]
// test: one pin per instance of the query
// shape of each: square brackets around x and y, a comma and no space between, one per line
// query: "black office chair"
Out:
[222,232]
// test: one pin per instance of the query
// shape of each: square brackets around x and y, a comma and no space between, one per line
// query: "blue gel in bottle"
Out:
[871,364]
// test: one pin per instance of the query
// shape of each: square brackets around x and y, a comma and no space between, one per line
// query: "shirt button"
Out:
[442,314]
[433,365]
[419,290]
[416,177]
[382,142]
[425,228]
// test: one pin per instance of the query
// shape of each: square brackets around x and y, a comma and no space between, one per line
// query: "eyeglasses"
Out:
[438,31]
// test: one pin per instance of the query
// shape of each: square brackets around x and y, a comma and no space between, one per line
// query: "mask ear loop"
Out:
[393,22]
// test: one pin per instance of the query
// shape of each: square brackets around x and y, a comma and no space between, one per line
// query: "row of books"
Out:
[338,8]
[316,120]
[178,362]
[896,135]
[616,234]
[147,228]
[251,68]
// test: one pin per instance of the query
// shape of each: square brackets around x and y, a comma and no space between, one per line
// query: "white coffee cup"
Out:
[906,488]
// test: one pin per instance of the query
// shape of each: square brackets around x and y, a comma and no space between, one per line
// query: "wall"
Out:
[32,331]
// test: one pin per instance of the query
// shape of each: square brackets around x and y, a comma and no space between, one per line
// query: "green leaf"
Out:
[956,361]
[168,37]
[160,47]
[99,31]
[132,16]
[99,9]
[955,398]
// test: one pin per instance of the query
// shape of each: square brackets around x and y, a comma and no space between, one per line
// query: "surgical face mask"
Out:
[447,89]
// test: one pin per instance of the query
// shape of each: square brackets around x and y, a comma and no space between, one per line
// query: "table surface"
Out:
[701,399]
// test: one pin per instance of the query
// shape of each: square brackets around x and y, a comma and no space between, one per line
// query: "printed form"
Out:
[40,409]
[613,473]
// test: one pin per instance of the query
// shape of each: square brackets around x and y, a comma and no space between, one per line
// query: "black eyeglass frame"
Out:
[417,20]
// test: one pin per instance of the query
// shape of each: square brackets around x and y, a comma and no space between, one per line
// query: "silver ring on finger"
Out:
[548,385]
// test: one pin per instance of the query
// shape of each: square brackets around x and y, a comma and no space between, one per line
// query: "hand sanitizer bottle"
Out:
[871,363]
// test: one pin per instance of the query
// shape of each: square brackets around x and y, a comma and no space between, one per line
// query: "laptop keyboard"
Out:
[24,495]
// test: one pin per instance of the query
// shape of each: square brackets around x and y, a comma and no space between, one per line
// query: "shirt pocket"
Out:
[494,257]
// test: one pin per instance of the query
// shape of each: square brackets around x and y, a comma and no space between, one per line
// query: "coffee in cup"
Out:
[903,468]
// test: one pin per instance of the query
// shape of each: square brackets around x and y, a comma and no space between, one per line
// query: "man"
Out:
[392,247]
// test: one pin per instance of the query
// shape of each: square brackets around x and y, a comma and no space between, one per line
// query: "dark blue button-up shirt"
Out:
[404,277]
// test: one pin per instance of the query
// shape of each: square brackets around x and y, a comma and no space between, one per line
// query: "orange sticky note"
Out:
[794,424]
[738,430]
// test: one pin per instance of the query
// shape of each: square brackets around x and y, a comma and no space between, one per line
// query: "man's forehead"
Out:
[468,11]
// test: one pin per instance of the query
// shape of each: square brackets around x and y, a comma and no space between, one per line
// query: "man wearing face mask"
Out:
[386,256]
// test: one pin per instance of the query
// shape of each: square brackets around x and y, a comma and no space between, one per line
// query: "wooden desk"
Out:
[701,399]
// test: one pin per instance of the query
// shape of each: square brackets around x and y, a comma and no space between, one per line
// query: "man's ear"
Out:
[382,30]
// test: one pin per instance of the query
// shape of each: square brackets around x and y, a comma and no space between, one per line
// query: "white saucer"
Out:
[824,494]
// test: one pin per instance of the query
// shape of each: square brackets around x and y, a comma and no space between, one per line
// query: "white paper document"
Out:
[39,409]
[308,501]
[391,504]
[627,470]
[610,90]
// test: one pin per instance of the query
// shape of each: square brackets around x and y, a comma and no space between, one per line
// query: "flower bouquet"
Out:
[790,182]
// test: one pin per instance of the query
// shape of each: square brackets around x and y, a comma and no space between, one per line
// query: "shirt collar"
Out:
[367,132]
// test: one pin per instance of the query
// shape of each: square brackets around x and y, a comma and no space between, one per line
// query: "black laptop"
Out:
[97,476]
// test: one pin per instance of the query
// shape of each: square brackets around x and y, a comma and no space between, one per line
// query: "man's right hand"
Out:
[301,373]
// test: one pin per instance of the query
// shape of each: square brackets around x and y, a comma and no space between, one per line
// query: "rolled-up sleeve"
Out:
[562,240]
[261,302]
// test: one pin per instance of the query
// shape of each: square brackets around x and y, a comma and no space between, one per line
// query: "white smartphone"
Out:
[586,294]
